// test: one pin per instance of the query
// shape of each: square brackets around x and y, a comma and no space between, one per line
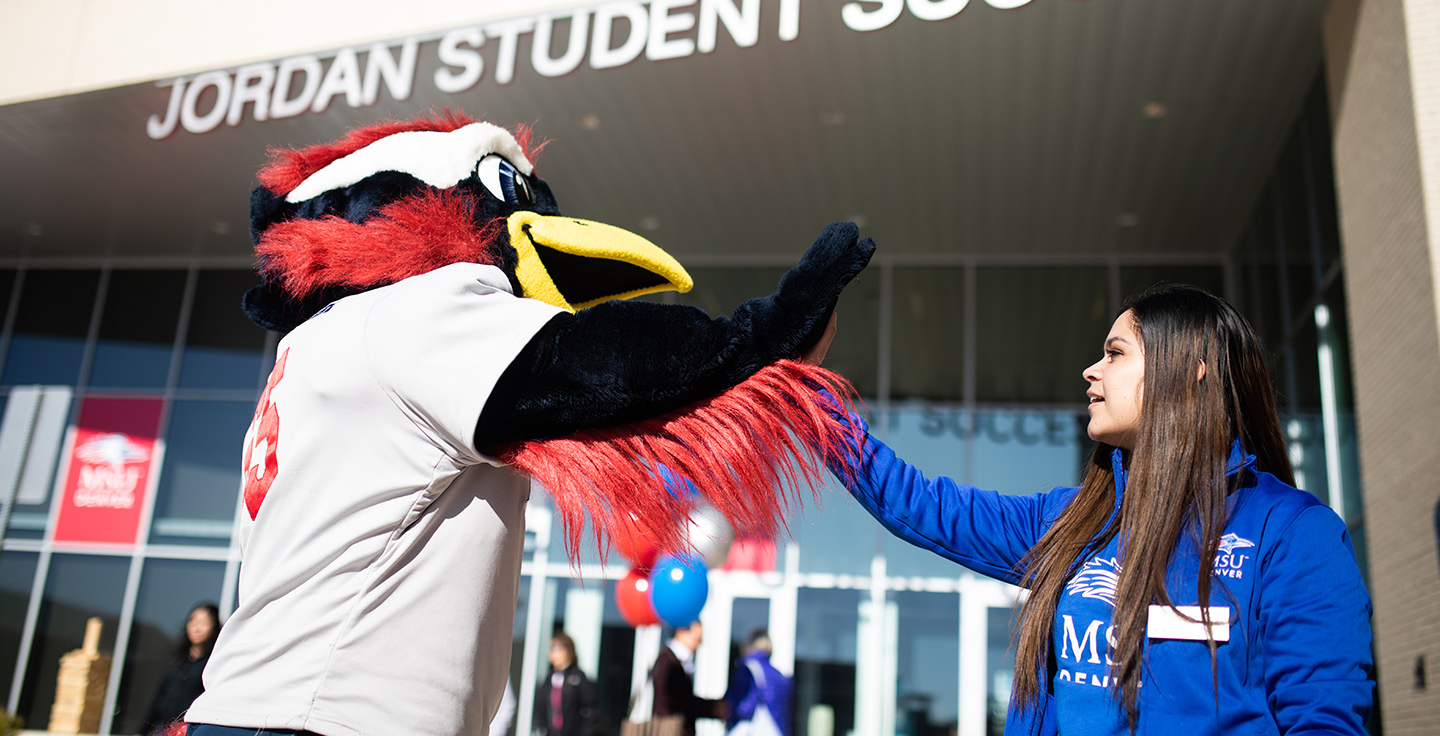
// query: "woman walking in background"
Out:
[565,701]
[1186,587]
[181,683]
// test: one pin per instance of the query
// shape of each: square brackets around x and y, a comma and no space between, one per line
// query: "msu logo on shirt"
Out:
[1097,579]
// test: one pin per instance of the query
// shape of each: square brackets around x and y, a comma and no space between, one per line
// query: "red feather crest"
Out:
[744,450]
[405,238]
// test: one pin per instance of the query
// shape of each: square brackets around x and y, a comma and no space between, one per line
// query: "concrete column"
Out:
[1383,65]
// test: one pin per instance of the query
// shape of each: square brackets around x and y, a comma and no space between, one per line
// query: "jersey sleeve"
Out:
[438,343]
[985,531]
[1315,617]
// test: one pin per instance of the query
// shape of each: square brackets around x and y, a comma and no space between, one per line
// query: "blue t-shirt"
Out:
[1083,635]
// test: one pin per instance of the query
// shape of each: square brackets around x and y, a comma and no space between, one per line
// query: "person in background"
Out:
[565,701]
[181,683]
[759,695]
[674,676]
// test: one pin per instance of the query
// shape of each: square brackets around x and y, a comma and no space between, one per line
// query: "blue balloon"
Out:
[678,589]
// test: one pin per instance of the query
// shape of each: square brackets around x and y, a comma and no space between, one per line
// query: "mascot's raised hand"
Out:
[446,327]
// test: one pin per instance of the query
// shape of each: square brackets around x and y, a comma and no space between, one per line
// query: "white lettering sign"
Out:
[610,35]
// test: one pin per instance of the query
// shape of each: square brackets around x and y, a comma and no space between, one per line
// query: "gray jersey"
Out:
[379,576]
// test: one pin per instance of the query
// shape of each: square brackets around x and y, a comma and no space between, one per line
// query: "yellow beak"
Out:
[574,264]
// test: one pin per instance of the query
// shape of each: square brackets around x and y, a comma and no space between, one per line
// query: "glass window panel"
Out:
[1008,450]
[17,576]
[747,616]
[1305,361]
[137,329]
[1261,306]
[50,327]
[169,591]
[199,485]
[7,290]
[719,290]
[1036,330]
[826,629]
[223,348]
[852,355]
[517,644]
[927,687]
[1135,279]
[927,348]
[589,551]
[617,658]
[835,536]
[999,669]
[76,588]
[1024,451]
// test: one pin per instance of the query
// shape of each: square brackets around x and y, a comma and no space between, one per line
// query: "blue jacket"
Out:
[746,695]
[1298,658]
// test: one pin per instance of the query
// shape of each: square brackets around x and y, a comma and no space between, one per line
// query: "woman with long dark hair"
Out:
[181,683]
[1186,587]
[565,701]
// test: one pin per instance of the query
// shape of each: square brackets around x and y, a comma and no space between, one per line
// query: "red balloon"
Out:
[632,597]
[633,541]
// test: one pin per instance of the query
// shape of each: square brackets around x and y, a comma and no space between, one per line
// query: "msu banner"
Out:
[108,471]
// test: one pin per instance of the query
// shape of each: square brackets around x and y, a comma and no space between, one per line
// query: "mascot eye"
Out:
[503,181]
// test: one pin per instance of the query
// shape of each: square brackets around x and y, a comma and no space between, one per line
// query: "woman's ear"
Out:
[1200,372]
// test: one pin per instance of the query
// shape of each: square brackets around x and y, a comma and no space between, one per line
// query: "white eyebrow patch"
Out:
[441,160]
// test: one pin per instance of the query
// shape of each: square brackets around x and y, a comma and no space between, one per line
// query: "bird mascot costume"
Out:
[449,337]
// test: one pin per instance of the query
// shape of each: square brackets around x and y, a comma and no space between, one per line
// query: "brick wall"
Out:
[1391,281]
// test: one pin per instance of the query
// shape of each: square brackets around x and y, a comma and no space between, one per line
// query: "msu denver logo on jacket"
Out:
[1096,580]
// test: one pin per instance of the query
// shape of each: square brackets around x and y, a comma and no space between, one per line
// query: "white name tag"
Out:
[1165,623]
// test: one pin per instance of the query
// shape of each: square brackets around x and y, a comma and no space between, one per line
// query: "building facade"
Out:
[1025,166]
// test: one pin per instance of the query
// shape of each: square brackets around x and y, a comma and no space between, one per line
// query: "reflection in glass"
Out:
[17,576]
[50,327]
[199,485]
[137,329]
[169,590]
[826,628]
[223,348]
[1305,439]
[76,588]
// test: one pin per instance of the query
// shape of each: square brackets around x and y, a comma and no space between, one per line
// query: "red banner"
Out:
[109,471]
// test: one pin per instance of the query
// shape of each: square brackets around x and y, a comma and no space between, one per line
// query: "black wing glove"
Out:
[622,361]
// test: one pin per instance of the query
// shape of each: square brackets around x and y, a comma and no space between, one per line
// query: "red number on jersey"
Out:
[260,465]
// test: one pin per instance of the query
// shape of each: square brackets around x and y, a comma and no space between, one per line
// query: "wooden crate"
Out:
[80,686]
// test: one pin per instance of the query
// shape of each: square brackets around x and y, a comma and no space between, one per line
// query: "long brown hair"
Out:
[1177,479]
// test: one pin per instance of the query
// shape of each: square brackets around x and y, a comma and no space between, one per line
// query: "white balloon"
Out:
[710,535]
